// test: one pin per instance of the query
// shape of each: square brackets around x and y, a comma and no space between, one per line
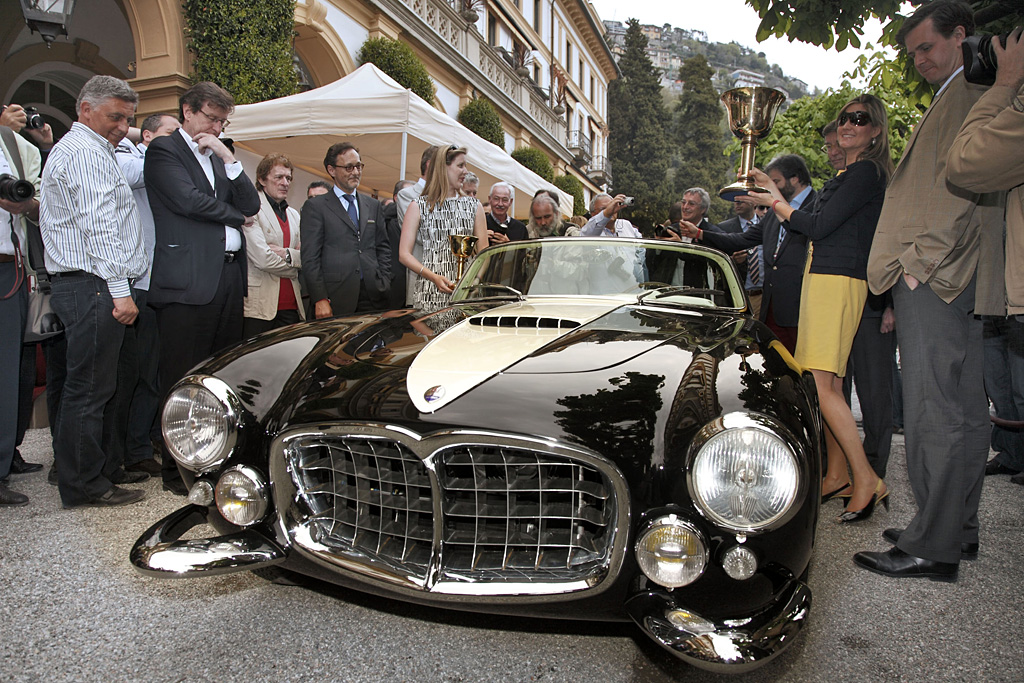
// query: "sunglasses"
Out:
[857,118]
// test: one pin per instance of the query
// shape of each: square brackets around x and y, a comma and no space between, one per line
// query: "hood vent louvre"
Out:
[524,321]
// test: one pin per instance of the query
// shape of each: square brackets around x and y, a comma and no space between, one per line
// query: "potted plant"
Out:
[560,83]
[470,10]
[522,58]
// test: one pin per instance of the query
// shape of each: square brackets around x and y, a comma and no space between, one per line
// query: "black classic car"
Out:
[594,429]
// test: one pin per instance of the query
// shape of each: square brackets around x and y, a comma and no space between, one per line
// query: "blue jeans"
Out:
[94,337]
[1004,384]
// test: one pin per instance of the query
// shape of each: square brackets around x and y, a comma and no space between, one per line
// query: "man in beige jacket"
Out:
[987,157]
[939,247]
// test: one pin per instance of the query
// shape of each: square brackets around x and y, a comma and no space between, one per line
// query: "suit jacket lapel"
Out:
[192,164]
[339,209]
[220,177]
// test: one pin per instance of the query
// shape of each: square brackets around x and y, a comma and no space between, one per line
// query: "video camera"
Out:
[980,59]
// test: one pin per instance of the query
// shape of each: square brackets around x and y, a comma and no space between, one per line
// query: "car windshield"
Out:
[648,272]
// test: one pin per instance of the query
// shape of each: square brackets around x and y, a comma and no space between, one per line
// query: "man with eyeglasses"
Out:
[346,255]
[501,227]
[200,199]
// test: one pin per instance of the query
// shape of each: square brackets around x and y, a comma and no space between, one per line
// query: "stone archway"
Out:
[318,45]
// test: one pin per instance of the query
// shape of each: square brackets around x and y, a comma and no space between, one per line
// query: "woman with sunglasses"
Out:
[441,211]
[840,226]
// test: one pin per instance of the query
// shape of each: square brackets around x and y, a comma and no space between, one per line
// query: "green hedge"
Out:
[572,185]
[535,160]
[401,63]
[243,46]
[481,117]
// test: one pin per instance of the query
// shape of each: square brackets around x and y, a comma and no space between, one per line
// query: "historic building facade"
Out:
[556,100]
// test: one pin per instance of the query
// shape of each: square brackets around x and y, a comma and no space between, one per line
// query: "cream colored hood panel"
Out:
[467,354]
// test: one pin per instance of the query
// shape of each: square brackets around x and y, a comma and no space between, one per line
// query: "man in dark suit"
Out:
[784,252]
[396,296]
[200,197]
[345,250]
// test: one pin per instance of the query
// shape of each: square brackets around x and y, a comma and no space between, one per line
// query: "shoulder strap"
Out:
[11,143]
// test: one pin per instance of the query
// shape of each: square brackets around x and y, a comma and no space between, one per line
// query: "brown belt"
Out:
[755,292]
[6,258]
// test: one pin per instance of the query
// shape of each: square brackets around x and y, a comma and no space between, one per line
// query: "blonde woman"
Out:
[440,211]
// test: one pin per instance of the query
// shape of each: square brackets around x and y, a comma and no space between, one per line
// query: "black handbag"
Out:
[41,322]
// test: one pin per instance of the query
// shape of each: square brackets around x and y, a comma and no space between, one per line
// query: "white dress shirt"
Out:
[232,237]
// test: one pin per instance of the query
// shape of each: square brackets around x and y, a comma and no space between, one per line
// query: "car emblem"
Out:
[433,393]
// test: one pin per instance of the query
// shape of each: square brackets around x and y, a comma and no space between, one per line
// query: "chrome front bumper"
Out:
[158,552]
[727,646]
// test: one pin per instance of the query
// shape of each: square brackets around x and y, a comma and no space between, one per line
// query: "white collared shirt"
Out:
[232,237]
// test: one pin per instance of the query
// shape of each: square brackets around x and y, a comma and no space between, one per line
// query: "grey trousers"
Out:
[945,418]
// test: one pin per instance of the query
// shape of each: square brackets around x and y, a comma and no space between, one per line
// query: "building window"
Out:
[591,88]
[579,76]
[536,15]
[492,31]
[568,58]
[536,75]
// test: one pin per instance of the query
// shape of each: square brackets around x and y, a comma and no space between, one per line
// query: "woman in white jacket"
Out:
[272,248]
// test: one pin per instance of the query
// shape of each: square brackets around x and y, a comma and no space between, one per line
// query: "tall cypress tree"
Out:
[638,124]
[697,133]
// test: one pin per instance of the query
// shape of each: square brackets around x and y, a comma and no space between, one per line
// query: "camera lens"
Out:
[15,189]
[35,120]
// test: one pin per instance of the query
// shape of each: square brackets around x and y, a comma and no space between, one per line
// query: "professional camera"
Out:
[15,189]
[980,59]
[628,201]
[35,119]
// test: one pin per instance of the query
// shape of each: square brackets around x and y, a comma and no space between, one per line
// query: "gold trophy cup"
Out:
[752,114]
[462,247]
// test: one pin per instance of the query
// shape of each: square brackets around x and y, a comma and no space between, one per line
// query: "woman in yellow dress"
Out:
[840,227]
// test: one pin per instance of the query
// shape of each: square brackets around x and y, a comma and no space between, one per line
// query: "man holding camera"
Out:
[939,248]
[19,164]
[605,221]
[986,157]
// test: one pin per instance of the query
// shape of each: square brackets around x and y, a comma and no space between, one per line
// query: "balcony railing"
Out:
[600,171]
[580,146]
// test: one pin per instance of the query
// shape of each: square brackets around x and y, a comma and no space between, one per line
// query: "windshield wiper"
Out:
[671,290]
[509,291]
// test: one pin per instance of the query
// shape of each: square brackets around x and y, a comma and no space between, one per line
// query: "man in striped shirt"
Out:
[94,252]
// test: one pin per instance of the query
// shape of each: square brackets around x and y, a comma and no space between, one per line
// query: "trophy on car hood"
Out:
[462,247]
[751,115]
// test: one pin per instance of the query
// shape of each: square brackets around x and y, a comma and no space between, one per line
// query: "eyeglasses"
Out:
[826,148]
[214,119]
[358,166]
[857,118]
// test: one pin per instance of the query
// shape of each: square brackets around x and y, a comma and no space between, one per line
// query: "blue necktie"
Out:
[352,213]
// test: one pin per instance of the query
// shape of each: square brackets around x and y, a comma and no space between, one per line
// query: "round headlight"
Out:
[739,562]
[745,479]
[241,496]
[199,423]
[671,553]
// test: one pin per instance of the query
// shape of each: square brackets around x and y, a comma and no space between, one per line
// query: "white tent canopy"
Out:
[389,124]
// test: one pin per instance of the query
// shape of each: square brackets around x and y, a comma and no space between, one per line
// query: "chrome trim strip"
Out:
[735,645]
[159,553]
[428,447]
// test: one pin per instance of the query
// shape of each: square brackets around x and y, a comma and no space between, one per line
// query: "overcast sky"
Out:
[732,20]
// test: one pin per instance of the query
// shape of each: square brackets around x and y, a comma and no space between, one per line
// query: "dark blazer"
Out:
[336,253]
[190,218]
[515,229]
[783,274]
[733,226]
[396,297]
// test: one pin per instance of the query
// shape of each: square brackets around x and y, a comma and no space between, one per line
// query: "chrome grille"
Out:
[443,511]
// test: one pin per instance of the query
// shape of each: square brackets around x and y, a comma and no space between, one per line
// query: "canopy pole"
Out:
[405,149]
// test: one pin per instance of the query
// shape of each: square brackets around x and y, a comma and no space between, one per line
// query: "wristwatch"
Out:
[288,257]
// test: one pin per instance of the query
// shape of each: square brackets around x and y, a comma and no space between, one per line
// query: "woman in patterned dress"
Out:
[437,213]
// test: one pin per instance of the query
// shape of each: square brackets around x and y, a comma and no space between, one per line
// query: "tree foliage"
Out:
[572,185]
[637,123]
[244,47]
[840,24]
[482,118]
[397,60]
[698,147]
[535,160]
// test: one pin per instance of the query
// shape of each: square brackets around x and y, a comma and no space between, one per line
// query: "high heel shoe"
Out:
[878,496]
[837,493]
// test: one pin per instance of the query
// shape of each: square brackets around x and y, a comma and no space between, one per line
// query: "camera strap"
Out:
[36,260]
[11,143]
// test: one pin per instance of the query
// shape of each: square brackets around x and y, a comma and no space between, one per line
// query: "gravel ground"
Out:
[74,610]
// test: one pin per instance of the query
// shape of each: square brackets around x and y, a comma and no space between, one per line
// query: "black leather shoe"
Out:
[51,476]
[899,564]
[993,467]
[123,477]
[175,486]
[11,498]
[149,466]
[968,551]
[19,466]
[1018,479]
[113,497]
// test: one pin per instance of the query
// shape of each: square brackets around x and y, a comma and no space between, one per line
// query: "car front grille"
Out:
[453,511]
